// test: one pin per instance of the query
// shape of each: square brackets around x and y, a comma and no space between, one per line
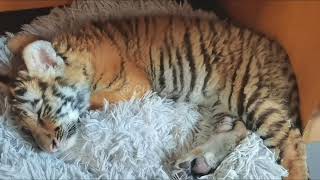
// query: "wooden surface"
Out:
[14,5]
[295,23]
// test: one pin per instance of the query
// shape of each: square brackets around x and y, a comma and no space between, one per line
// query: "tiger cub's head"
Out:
[49,97]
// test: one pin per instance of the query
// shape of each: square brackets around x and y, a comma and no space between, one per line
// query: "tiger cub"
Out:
[231,71]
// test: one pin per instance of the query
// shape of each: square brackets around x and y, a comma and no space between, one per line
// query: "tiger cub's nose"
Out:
[46,136]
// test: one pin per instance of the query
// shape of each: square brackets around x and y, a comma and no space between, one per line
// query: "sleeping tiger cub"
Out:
[228,70]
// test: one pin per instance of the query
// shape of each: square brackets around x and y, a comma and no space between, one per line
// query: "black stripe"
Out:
[242,95]
[213,42]
[19,100]
[59,110]
[39,113]
[233,78]
[69,99]
[250,120]
[64,103]
[274,130]
[250,117]
[151,21]
[96,83]
[270,134]
[168,48]
[264,116]
[235,73]
[56,92]
[206,59]
[278,125]
[292,101]
[167,39]
[190,59]
[161,75]
[118,76]
[216,103]
[171,41]
[254,97]
[47,109]
[174,75]
[152,71]
[218,115]
[62,115]
[180,65]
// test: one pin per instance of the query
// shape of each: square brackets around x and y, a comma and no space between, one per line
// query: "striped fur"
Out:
[230,70]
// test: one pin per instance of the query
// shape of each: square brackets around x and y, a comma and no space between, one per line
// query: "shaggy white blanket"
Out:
[127,141]
[132,140]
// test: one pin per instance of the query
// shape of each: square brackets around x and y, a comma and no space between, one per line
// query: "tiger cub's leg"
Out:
[294,155]
[271,121]
[202,159]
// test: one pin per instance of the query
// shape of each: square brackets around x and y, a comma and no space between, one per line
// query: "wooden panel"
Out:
[296,25]
[13,5]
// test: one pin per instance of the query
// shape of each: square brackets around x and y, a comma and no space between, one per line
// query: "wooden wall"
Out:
[11,5]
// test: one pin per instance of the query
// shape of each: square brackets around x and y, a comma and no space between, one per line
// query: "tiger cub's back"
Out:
[206,61]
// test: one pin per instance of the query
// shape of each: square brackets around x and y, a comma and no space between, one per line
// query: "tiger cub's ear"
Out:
[42,61]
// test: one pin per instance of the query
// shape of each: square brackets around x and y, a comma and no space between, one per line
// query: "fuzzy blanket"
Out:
[138,139]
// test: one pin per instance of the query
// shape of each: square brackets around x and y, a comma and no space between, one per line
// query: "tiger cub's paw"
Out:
[196,163]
